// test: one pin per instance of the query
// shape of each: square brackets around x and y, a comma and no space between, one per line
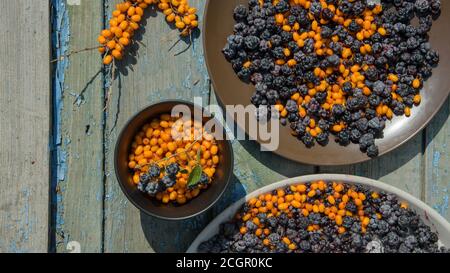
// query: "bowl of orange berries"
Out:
[172,163]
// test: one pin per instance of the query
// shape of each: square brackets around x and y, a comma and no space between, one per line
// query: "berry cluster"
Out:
[128,15]
[165,154]
[332,67]
[324,217]
[158,181]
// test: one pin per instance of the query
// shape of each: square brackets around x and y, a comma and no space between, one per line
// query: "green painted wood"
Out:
[80,189]
[437,162]
[401,168]
[24,126]
[150,74]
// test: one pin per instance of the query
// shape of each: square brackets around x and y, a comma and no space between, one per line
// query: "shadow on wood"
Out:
[438,122]
[176,236]
[275,162]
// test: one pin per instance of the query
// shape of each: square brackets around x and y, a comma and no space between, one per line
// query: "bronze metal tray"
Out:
[218,24]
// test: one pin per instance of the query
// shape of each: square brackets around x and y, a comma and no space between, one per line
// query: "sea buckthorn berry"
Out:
[416,83]
[107,60]
[417,99]
[154,149]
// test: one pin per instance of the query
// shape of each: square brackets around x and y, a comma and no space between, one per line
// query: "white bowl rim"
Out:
[432,215]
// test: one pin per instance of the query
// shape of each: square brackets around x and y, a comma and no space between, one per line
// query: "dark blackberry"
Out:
[173,169]
[240,13]
[315,8]
[372,151]
[322,139]
[422,7]
[204,179]
[376,124]
[153,188]
[145,178]
[244,74]
[308,140]
[251,42]
[168,181]
[282,6]
[326,32]
[291,106]
[338,110]
[354,26]
[154,171]
[141,186]
[239,246]
[229,52]
[333,60]
[366,141]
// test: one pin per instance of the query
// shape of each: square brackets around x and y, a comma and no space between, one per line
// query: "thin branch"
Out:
[73,52]
[188,149]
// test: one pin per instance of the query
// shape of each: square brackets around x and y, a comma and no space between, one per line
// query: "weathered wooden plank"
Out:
[151,74]
[255,169]
[401,168]
[437,161]
[80,130]
[24,126]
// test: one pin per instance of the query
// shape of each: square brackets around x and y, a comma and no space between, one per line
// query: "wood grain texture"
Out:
[80,148]
[437,162]
[401,168]
[91,208]
[151,74]
[24,126]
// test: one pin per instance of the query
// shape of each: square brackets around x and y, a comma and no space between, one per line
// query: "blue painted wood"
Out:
[78,140]
[437,162]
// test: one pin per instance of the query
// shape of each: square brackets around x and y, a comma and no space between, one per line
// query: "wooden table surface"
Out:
[56,141]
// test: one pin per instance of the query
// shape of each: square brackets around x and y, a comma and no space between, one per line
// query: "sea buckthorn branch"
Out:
[61,58]
[165,159]
[128,15]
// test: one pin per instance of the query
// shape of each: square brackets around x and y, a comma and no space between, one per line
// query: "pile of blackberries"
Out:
[380,224]
[335,67]
[151,183]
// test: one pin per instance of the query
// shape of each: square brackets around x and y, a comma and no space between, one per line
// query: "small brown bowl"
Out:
[155,208]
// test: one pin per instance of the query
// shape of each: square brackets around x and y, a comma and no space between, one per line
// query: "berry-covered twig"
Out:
[127,17]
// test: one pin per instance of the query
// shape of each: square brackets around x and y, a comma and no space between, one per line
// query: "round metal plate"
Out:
[218,24]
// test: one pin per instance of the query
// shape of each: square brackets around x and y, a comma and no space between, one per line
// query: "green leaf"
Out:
[195,176]
[184,171]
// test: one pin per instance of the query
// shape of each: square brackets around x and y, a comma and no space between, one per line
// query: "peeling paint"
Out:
[60,44]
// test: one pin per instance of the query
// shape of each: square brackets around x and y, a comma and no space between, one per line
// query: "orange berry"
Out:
[111,44]
[117,54]
[102,39]
[136,18]
[107,60]
[107,33]
[124,41]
